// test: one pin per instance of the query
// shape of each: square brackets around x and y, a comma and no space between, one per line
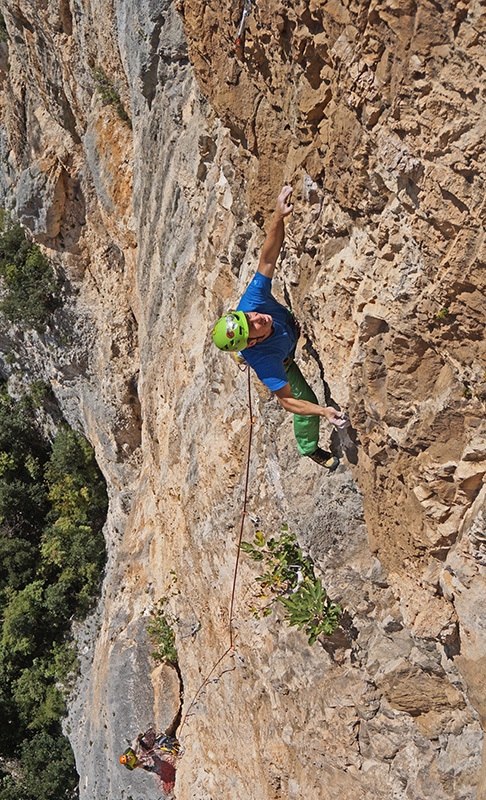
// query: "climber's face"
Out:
[260,327]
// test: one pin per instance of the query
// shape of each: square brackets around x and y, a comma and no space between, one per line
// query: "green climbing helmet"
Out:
[231,331]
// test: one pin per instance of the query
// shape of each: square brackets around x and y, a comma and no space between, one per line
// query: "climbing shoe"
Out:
[325,459]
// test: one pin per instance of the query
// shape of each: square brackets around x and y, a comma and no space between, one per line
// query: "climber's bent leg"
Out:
[306,428]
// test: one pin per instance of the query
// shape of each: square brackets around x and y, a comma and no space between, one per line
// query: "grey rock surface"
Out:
[40,202]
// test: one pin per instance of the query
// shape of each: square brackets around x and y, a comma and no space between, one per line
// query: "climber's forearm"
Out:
[276,233]
[272,246]
[302,407]
[305,408]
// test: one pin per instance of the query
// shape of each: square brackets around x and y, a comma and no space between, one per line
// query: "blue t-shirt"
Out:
[267,357]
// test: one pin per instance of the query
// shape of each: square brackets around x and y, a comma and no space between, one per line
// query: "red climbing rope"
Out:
[230,648]
[243,514]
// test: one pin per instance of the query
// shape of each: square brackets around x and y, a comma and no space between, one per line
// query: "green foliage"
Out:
[442,314]
[289,576]
[76,490]
[21,618]
[39,692]
[72,546]
[46,771]
[310,608]
[162,635]
[283,560]
[30,281]
[3,29]
[109,94]
[18,561]
[39,701]
[39,393]
[23,453]
[52,508]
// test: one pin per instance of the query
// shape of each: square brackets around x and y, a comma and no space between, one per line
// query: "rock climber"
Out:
[154,753]
[152,762]
[266,333]
[130,759]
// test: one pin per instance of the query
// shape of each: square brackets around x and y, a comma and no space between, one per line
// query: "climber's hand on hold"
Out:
[337,418]
[284,207]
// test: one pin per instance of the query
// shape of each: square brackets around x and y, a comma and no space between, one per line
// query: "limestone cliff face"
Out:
[374,112]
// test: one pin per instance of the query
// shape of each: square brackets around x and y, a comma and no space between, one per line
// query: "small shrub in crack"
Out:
[162,635]
[109,94]
[289,577]
[442,314]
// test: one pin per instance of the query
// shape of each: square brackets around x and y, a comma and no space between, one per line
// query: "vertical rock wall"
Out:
[375,113]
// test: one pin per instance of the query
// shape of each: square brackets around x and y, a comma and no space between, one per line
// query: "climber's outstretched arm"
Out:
[276,233]
[305,408]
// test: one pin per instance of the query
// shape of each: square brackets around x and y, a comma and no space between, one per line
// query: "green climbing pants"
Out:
[306,428]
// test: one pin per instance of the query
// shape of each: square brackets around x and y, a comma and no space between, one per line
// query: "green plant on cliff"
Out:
[162,635]
[289,577]
[442,314]
[52,508]
[310,608]
[109,94]
[3,29]
[31,285]
[40,392]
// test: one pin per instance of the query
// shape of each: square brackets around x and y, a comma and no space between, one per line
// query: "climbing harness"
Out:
[239,360]
[239,41]
[295,321]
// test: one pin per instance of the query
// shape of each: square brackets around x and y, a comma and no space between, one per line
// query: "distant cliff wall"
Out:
[145,155]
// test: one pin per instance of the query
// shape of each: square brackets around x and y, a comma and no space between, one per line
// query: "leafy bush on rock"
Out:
[29,280]
[289,578]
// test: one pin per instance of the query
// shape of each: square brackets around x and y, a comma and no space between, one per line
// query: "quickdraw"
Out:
[239,41]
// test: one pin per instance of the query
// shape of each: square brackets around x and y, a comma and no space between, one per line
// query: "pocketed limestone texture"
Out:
[144,154]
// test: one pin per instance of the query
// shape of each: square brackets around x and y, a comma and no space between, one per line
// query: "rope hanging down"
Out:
[243,513]
[231,647]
